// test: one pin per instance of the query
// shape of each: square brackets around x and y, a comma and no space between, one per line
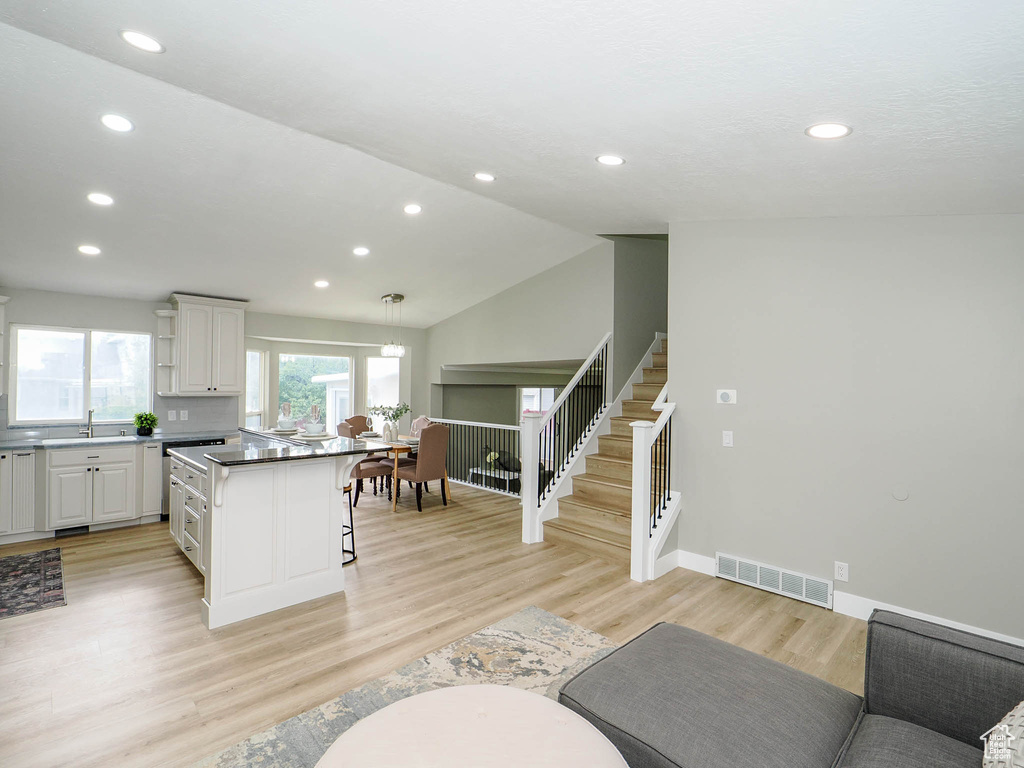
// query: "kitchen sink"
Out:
[88,440]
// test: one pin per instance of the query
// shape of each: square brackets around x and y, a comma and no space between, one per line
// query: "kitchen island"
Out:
[262,520]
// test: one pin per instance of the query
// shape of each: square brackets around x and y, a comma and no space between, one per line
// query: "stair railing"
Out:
[551,440]
[484,456]
[653,498]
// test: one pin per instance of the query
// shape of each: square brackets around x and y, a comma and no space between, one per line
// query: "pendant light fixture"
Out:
[391,349]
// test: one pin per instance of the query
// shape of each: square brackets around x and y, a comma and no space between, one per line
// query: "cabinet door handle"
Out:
[208,389]
[21,454]
[92,457]
[189,498]
[188,521]
[88,469]
[188,549]
[173,483]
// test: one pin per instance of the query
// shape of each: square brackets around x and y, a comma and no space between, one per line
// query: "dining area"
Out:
[419,459]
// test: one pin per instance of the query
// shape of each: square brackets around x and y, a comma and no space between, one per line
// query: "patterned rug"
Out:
[31,582]
[532,649]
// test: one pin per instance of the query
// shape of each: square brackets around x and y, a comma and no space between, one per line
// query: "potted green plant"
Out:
[144,423]
[391,414]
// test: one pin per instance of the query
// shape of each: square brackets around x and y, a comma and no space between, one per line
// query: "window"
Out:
[61,373]
[537,398]
[305,381]
[255,392]
[381,381]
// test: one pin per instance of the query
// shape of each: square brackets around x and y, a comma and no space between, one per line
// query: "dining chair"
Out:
[360,422]
[430,465]
[368,468]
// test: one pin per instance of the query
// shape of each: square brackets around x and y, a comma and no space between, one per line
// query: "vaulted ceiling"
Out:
[272,137]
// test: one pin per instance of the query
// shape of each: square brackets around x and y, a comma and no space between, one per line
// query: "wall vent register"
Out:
[771,578]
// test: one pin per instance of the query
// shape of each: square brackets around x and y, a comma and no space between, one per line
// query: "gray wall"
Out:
[560,314]
[871,358]
[490,404]
[79,311]
[641,301]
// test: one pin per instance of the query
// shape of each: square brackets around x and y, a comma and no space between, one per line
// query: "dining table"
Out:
[395,450]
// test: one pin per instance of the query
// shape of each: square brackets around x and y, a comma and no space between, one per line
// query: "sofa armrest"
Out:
[947,680]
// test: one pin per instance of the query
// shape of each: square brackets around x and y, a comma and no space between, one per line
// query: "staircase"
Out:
[596,517]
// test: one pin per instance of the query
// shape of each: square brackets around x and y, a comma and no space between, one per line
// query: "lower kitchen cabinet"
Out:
[90,486]
[17,491]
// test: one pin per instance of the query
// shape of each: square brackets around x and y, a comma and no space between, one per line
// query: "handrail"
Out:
[580,373]
[476,423]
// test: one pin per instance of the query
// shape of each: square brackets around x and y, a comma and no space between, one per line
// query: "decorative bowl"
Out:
[286,423]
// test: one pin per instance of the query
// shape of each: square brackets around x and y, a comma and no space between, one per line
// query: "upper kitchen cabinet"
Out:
[205,349]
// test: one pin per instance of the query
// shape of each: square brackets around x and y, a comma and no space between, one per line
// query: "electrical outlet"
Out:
[184,415]
[172,415]
[842,571]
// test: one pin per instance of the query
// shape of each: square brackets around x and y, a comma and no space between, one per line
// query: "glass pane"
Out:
[381,381]
[51,373]
[309,384]
[254,421]
[253,381]
[120,380]
[530,399]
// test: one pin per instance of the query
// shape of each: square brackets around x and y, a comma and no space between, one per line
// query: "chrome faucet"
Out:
[88,428]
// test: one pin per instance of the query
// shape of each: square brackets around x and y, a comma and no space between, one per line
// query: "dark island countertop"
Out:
[261,449]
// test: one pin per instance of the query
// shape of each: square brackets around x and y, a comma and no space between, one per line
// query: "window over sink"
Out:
[59,374]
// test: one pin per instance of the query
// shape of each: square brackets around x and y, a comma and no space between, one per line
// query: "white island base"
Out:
[273,535]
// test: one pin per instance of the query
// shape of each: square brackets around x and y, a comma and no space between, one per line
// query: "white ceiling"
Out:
[706,99]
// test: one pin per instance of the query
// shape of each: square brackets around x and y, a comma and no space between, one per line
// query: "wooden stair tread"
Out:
[603,480]
[591,505]
[607,457]
[581,528]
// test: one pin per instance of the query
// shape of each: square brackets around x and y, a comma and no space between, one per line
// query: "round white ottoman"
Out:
[472,726]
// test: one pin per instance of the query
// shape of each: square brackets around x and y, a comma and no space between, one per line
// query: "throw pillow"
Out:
[1004,743]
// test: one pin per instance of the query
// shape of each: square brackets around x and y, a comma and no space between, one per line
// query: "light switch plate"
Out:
[726,397]
[172,415]
[183,415]
[727,438]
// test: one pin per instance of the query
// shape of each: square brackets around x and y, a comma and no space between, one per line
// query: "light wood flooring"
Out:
[126,674]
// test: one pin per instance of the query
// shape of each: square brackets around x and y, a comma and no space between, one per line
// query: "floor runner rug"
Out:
[31,582]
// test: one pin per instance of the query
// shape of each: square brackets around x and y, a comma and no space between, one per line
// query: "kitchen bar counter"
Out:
[260,449]
[263,520]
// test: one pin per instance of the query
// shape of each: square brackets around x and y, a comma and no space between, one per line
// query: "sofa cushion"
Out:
[884,741]
[674,697]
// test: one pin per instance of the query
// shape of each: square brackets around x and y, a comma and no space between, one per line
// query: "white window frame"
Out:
[556,391]
[366,378]
[264,390]
[12,402]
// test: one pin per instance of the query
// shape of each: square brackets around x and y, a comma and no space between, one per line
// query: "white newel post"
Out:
[529,453]
[638,539]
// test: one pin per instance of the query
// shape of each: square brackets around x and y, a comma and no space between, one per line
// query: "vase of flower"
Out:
[390,416]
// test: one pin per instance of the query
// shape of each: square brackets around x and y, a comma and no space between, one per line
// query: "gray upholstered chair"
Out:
[368,468]
[430,465]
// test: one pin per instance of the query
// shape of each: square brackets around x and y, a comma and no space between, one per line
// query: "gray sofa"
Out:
[676,698]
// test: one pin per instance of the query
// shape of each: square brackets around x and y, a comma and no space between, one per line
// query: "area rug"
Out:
[31,582]
[532,649]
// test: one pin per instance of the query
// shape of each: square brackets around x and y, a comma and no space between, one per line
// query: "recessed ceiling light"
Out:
[99,198]
[117,123]
[610,160]
[89,250]
[412,208]
[321,284]
[828,131]
[361,251]
[484,176]
[141,41]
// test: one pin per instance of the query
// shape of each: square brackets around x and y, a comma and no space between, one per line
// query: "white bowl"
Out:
[314,429]
[286,423]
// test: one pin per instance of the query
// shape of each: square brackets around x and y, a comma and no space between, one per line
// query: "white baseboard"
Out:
[861,608]
[15,538]
[679,558]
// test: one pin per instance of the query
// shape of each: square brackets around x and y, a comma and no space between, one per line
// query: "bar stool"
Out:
[348,534]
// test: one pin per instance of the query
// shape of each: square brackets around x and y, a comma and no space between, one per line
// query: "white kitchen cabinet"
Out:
[69,499]
[176,507]
[17,491]
[3,336]
[6,497]
[86,486]
[151,464]
[113,492]
[211,346]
